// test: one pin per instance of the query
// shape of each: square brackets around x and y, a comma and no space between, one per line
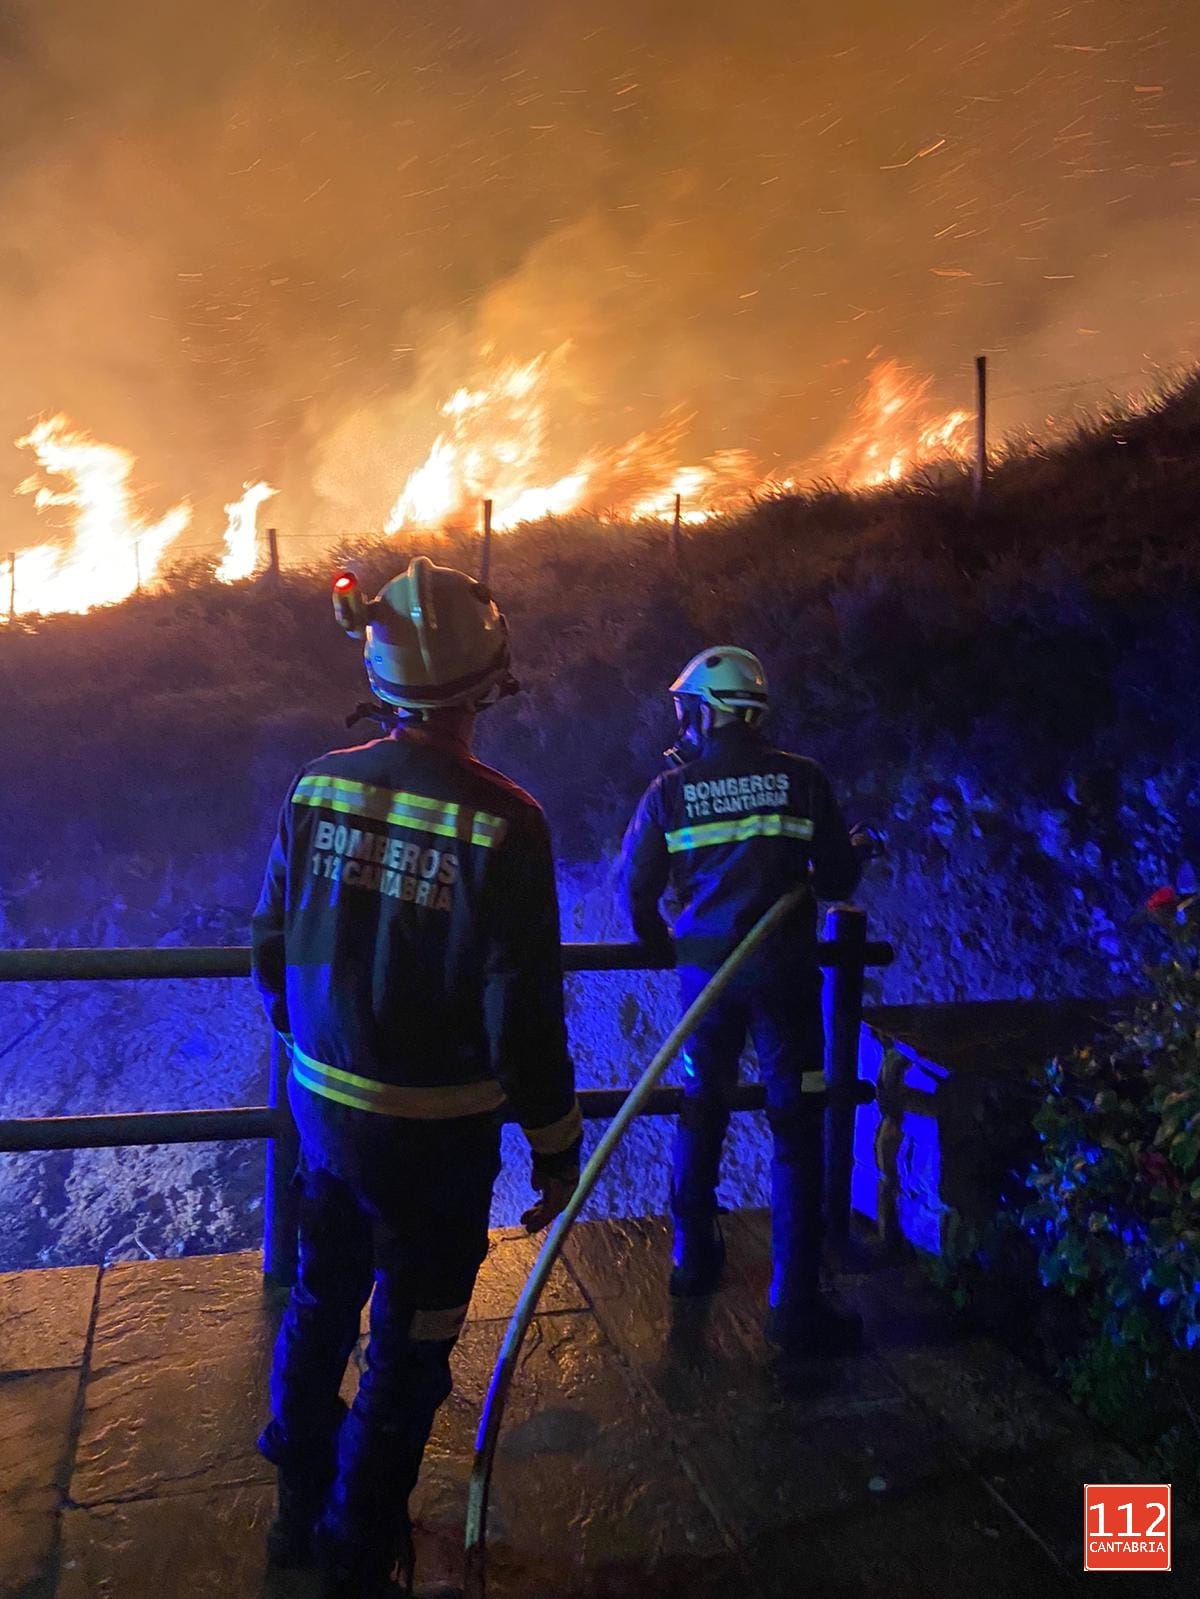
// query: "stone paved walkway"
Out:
[644,1453]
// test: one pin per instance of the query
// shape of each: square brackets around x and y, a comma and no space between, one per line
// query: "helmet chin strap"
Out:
[390,717]
[694,724]
[372,711]
[697,719]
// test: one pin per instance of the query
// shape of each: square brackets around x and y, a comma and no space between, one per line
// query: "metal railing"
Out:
[845,954]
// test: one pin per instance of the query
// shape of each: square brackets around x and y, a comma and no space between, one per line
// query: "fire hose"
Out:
[497,1395]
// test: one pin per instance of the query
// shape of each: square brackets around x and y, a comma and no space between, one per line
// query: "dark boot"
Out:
[800,1322]
[304,1476]
[699,1259]
[366,1571]
[698,1256]
[289,1537]
[819,1331]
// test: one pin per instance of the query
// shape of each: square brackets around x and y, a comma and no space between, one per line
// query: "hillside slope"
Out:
[1011,695]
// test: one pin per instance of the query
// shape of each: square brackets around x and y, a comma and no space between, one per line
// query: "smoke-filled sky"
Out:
[267,237]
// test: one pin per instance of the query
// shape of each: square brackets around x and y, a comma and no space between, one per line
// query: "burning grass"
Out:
[995,689]
[1012,696]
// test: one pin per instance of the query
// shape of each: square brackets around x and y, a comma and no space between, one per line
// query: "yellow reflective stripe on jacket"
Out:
[396,808]
[559,1135]
[395,1099]
[771,825]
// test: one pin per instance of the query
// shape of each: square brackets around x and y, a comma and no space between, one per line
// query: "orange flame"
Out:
[112,552]
[241,534]
[895,432]
[495,447]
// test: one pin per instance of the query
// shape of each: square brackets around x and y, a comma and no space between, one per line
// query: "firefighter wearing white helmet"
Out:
[407,948]
[733,824]
[723,678]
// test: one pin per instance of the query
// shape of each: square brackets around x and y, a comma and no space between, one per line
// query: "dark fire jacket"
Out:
[730,832]
[406,942]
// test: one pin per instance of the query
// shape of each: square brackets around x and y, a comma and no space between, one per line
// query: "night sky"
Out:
[268,239]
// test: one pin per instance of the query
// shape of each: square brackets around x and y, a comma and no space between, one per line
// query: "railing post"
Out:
[843,994]
[485,558]
[889,1136]
[280,1210]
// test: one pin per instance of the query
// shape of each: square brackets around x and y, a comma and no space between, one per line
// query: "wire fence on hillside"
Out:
[301,546]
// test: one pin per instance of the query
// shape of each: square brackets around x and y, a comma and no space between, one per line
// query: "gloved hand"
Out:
[869,842]
[656,935]
[555,1192]
[554,1178]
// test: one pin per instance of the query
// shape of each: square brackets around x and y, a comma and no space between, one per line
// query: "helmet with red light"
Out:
[432,637]
[349,607]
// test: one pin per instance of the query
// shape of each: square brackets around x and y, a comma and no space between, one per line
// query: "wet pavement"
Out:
[645,1452]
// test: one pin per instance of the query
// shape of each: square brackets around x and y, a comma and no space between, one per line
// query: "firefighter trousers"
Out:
[779,1006]
[400,1207]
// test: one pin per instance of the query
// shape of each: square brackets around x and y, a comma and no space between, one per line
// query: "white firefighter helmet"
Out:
[435,637]
[725,677]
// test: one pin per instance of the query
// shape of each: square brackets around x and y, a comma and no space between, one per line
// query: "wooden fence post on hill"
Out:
[485,559]
[979,483]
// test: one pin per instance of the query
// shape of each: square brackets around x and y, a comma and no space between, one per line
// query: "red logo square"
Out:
[1127,1526]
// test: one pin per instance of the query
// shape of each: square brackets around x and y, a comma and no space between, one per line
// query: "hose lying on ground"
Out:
[497,1395]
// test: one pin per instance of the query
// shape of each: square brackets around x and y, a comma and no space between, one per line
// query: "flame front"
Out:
[492,449]
[111,552]
[495,444]
[495,447]
[241,534]
[895,433]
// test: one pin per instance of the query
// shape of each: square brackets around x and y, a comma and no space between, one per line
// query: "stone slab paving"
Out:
[589,1494]
[45,1317]
[177,1380]
[36,1413]
[511,1254]
[650,1448]
[207,1545]
[804,1464]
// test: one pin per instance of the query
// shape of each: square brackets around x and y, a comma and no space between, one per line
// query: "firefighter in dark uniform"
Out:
[406,945]
[733,825]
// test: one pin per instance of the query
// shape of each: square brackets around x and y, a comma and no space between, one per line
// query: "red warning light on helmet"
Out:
[349,607]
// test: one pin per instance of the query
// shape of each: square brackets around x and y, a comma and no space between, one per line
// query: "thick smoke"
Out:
[266,239]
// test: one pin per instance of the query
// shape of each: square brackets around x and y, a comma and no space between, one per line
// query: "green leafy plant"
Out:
[1115,1212]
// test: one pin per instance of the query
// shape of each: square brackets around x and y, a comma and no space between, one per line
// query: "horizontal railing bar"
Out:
[24,1135]
[94,965]
[98,965]
[29,1133]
